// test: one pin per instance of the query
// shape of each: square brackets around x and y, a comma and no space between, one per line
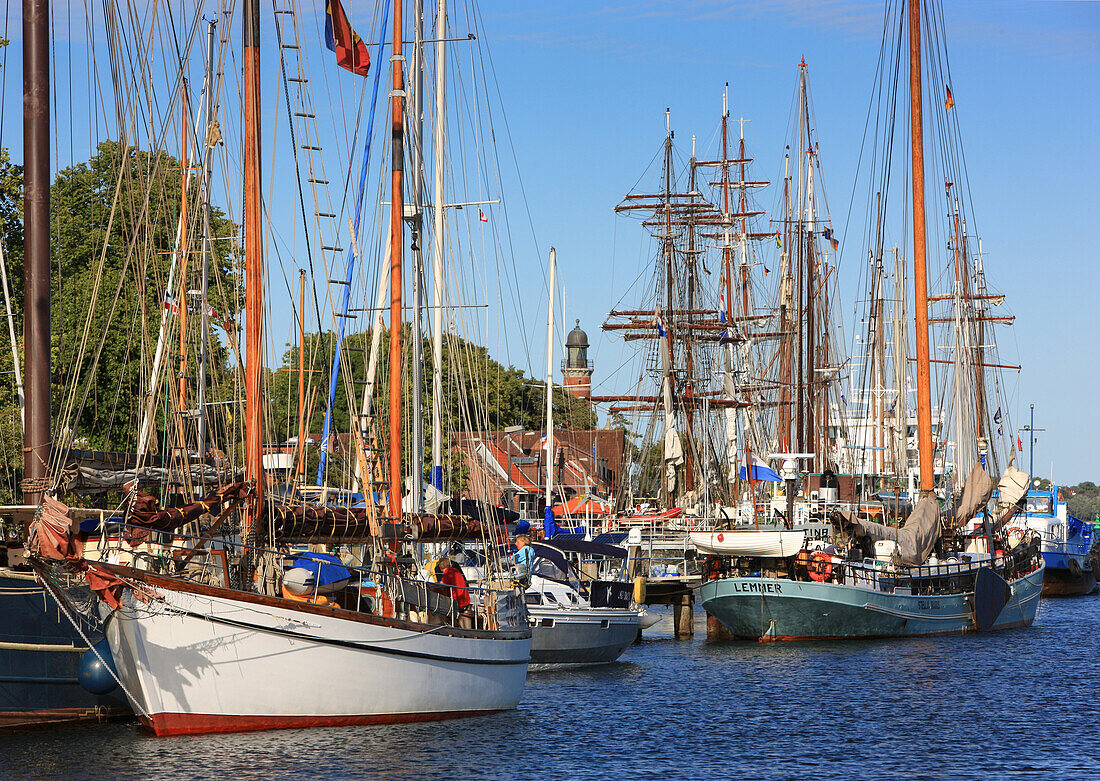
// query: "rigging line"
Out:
[354,248]
[297,164]
[78,356]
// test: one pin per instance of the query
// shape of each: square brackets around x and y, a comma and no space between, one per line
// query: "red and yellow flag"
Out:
[351,52]
[950,102]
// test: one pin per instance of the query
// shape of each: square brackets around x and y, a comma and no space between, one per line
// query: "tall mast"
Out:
[800,275]
[439,228]
[920,260]
[301,375]
[550,382]
[254,268]
[730,413]
[183,252]
[204,318]
[36,263]
[416,164]
[667,351]
[397,208]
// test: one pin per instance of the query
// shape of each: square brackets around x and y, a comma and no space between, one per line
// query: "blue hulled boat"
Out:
[1069,545]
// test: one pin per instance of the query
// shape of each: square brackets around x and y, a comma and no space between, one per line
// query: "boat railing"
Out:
[930,578]
[381,591]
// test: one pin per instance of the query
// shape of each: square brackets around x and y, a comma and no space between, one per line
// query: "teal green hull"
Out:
[769,609]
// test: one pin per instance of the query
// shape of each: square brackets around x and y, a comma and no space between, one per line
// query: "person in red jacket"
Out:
[452,576]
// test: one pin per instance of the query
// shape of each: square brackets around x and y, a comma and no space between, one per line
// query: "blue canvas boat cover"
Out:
[326,568]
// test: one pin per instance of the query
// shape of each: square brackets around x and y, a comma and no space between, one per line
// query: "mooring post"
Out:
[683,618]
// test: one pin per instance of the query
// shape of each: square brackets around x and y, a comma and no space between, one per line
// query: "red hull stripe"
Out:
[201,723]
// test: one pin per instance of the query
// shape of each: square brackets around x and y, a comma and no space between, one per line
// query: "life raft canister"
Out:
[820,566]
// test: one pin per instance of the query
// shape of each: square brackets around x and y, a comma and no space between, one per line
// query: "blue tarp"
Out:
[326,568]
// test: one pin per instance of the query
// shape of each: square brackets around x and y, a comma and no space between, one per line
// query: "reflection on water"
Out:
[1021,704]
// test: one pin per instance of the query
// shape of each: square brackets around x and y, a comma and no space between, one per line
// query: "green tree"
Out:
[113,225]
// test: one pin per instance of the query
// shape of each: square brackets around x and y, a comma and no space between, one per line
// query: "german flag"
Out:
[351,52]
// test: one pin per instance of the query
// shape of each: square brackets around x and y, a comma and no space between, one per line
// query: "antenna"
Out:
[726,101]
[693,145]
[668,120]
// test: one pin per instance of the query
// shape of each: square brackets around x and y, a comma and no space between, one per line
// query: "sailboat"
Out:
[280,635]
[873,579]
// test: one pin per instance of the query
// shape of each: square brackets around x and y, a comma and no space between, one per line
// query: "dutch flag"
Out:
[660,323]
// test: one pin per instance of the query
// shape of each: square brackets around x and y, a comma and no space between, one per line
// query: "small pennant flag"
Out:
[950,102]
[351,52]
[997,417]
[481,216]
[1019,444]
[778,241]
[834,242]
[170,303]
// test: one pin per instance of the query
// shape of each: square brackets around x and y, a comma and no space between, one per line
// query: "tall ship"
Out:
[917,543]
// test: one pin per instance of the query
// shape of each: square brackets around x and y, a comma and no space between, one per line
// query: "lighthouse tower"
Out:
[576,367]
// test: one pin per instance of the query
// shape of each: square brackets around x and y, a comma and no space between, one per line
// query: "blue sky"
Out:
[584,87]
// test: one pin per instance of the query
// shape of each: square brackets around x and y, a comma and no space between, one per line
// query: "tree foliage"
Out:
[113,225]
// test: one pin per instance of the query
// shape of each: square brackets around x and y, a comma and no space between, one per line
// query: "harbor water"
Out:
[1016,704]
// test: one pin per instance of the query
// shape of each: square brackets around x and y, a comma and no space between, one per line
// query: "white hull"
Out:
[749,542]
[224,662]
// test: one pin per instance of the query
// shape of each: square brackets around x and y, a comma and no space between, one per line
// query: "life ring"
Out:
[820,566]
[639,590]
[1015,536]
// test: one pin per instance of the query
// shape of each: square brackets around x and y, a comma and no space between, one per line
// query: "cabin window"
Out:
[605,624]
[1040,505]
[533,598]
[550,598]
[547,622]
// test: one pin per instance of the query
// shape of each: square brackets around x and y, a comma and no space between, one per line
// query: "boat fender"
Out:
[299,581]
[1075,568]
[821,566]
[639,590]
[97,673]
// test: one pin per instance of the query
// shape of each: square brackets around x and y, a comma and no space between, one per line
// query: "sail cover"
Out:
[975,495]
[915,539]
[1010,490]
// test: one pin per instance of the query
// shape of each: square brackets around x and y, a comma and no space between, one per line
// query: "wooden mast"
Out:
[920,261]
[301,375]
[36,263]
[182,302]
[254,271]
[397,209]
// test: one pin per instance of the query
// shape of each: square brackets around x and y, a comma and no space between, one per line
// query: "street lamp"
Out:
[1031,435]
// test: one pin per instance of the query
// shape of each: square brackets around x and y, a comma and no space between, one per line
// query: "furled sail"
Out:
[915,538]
